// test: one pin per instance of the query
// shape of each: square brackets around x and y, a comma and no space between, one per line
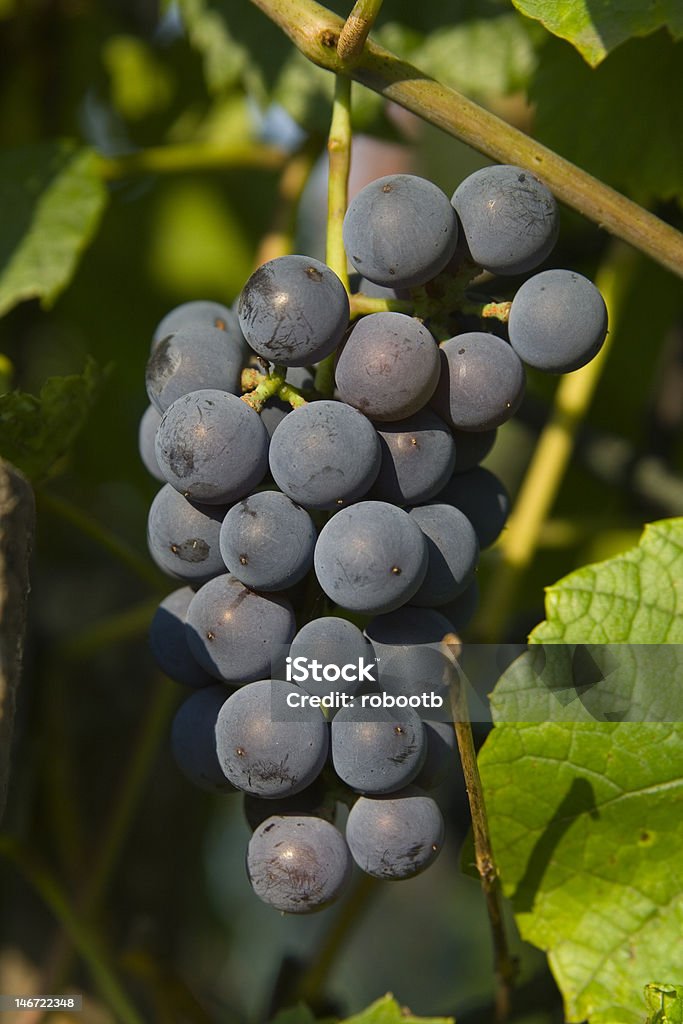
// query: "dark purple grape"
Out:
[481,383]
[508,217]
[395,837]
[400,231]
[388,367]
[264,747]
[294,310]
[298,864]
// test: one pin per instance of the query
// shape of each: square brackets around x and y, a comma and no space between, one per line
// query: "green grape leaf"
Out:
[664,1003]
[52,199]
[36,432]
[387,1011]
[592,683]
[586,816]
[616,120]
[597,28]
[634,598]
[626,616]
[587,827]
[383,1011]
[224,60]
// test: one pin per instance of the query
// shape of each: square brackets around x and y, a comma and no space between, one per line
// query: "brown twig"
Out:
[505,964]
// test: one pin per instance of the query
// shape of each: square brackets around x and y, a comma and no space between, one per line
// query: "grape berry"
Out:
[368,504]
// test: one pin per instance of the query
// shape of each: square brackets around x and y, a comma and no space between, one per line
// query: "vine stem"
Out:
[83,937]
[505,964]
[551,457]
[356,30]
[339,154]
[268,388]
[180,159]
[292,395]
[486,310]
[315,31]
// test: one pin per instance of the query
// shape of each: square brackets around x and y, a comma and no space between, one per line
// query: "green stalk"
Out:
[339,154]
[362,304]
[290,394]
[486,310]
[268,388]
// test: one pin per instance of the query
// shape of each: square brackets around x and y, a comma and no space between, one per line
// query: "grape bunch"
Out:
[335,530]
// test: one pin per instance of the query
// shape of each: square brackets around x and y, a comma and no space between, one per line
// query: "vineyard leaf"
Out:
[635,598]
[383,1011]
[52,200]
[224,60]
[592,682]
[665,1003]
[36,432]
[596,29]
[587,817]
[629,611]
[140,84]
[387,1011]
[587,827]
[616,119]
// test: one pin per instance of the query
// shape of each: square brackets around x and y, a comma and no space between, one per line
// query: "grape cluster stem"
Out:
[259,388]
